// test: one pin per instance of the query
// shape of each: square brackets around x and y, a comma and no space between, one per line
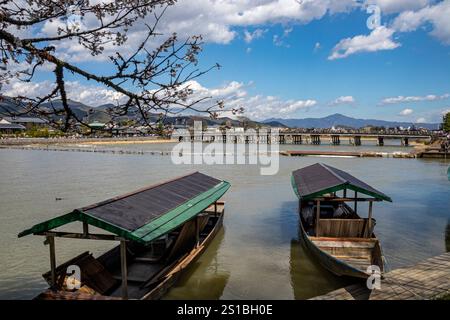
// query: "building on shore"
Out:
[27,122]
[7,127]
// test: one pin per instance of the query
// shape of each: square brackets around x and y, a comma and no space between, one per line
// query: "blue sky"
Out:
[296,70]
[280,59]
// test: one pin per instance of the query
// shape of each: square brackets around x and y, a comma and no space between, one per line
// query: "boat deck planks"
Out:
[426,280]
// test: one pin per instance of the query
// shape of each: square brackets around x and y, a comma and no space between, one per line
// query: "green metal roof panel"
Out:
[192,194]
[319,179]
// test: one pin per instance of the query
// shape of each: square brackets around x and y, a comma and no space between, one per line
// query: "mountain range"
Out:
[99,114]
[338,119]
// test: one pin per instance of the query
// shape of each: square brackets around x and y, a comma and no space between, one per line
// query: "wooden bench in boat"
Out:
[357,252]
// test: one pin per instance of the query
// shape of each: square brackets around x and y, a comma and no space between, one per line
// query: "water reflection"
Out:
[204,278]
[308,277]
[257,257]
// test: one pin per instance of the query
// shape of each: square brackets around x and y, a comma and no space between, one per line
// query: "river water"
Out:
[256,256]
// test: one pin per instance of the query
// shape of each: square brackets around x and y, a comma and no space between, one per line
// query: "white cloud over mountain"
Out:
[342,100]
[403,99]
[234,94]
[406,112]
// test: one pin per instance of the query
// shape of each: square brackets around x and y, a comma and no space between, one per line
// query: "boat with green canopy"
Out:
[161,230]
[342,241]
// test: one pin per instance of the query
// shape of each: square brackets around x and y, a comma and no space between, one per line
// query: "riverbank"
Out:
[83,141]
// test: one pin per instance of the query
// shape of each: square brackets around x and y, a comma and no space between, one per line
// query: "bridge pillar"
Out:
[297,139]
[381,141]
[405,141]
[357,140]
[282,139]
[335,140]
[315,139]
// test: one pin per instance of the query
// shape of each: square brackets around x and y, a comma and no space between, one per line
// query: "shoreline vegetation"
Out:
[84,141]
[89,145]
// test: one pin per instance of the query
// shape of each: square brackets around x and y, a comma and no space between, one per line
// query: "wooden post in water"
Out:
[51,242]
[123,262]
[369,222]
[318,219]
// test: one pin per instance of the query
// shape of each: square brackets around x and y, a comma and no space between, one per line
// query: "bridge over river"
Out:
[292,137]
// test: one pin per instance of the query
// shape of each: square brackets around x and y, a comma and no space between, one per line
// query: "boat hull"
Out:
[175,274]
[329,262]
[166,279]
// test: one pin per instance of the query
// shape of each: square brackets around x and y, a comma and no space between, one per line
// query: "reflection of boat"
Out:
[162,229]
[343,242]
[308,278]
[448,173]
[204,279]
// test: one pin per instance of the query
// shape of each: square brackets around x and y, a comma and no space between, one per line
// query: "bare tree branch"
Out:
[153,80]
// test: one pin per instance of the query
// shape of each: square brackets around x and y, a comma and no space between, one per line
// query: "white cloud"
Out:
[437,15]
[379,39]
[89,95]
[403,99]
[214,20]
[342,100]
[392,6]
[234,94]
[256,107]
[406,112]
[250,36]
[317,46]
[263,107]
[421,120]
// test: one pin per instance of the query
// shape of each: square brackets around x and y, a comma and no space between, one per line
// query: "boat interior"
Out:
[343,233]
[147,266]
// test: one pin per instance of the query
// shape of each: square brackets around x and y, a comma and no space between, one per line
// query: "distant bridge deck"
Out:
[361,134]
[426,280]
[292,137]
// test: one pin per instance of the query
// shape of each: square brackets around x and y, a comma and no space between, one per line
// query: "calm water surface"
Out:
[256,256]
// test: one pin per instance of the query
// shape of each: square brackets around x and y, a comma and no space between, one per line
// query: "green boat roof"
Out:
[148,213]
[319,179]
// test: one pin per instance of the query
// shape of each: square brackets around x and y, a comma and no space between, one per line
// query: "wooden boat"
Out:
[342,241]
[162,229]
